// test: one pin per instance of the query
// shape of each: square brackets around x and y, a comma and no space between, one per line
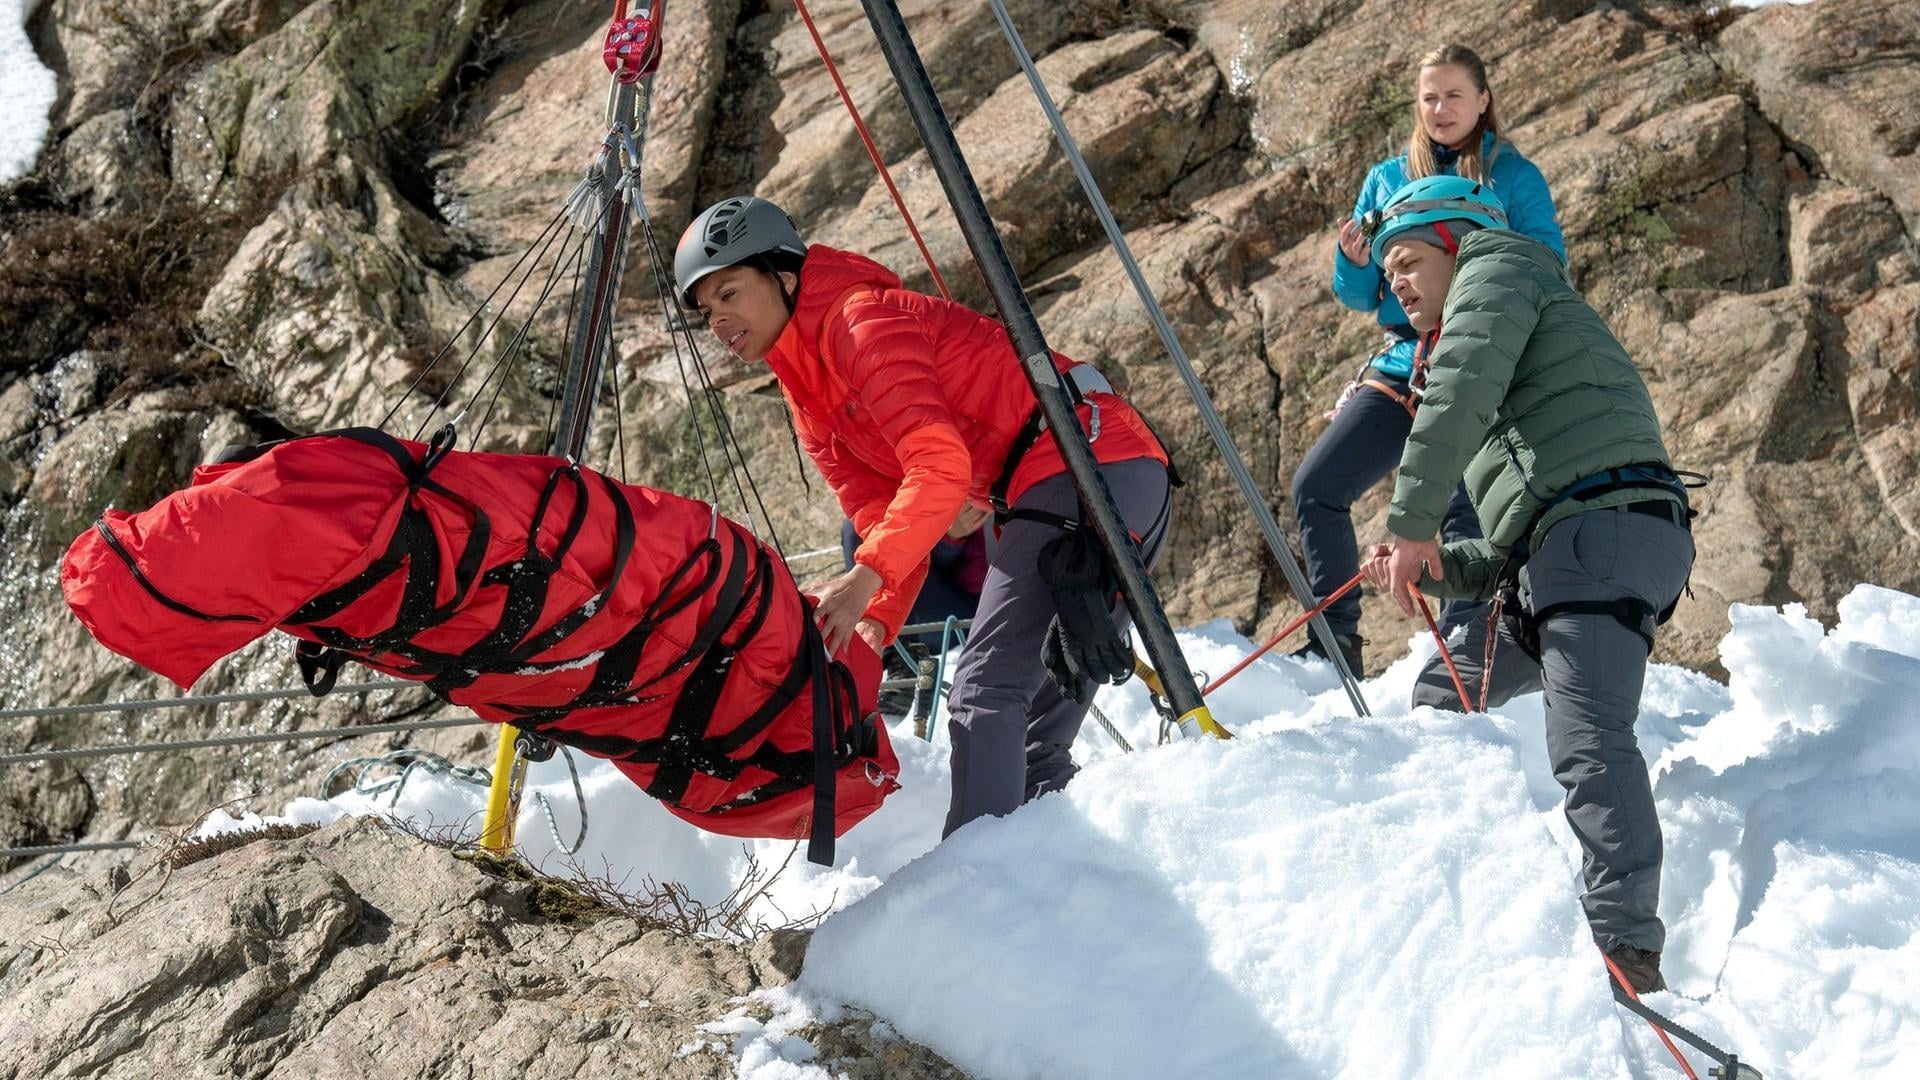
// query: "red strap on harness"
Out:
[1406,401]
[632,51]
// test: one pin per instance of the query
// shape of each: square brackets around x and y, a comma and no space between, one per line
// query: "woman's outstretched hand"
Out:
[842,603]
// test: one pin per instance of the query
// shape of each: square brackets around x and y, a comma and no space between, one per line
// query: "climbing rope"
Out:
[1284,634]
[50,711]
[1426,610]
[439,402]
[1107,726]
[78,753]
[873,152]
[1620,982]
[464,327]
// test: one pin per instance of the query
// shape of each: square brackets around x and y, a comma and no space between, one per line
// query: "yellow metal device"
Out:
[1194,724]
[503,798]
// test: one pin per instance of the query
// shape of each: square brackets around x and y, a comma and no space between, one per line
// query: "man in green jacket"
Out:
[1531,399]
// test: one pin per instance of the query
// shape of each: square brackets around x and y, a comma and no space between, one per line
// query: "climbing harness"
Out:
[1510,612]
[1077,381]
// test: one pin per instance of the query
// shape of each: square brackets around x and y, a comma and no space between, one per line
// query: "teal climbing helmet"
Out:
[1428,200]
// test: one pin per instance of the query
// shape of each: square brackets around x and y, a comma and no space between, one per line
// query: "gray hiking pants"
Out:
[1592,668]
[1012,730]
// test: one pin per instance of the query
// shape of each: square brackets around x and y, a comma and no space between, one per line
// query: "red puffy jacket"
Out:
[909,405]
[633,624]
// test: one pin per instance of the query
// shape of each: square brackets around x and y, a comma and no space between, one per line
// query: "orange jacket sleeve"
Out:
[886,353]
[864,494]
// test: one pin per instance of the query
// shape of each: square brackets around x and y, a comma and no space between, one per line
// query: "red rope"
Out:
[1284,634]
[1486,659]
[1621,977]
[872,150]
[1427,610]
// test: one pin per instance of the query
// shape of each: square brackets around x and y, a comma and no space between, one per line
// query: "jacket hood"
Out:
[826,277]
[1482,243]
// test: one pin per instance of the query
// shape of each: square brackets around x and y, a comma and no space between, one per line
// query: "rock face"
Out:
[339,184]
[1738,191]
[312,957]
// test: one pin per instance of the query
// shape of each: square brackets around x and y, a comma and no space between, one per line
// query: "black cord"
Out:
[723,426]
[441,401]
[471,319]
[515,348]
[566,346]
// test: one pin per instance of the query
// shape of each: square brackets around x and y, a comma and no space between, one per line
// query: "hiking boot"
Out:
[1350,647]
[898,703]
[1642,968]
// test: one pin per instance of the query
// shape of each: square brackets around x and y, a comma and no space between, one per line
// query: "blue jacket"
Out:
[1529,211]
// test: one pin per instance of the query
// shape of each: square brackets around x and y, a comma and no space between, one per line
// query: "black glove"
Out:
[1081,645]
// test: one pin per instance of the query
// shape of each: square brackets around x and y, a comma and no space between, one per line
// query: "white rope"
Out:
[246,739]
[188,702]
[64,849]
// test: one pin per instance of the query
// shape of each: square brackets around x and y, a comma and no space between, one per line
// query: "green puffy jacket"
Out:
[1527,392]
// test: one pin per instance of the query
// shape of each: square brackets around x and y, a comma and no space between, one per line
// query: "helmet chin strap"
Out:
[1446,237]
[787,297]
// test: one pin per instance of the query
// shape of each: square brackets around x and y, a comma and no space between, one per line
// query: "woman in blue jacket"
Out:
[1455,132]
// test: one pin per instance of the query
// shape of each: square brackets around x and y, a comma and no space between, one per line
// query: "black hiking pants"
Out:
[1360,448]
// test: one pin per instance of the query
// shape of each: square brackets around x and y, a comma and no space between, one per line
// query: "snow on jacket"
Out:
[1527,392]
[1523,192]
[909,404]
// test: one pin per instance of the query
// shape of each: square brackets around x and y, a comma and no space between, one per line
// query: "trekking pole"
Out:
[1441,639]
[1296,624]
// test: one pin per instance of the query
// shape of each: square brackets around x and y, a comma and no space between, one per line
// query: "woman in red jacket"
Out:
[916,411]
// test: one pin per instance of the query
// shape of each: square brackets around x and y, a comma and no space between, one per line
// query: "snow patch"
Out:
[27,87]
[1332,896]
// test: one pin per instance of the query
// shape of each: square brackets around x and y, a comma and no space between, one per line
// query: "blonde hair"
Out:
[1420,159]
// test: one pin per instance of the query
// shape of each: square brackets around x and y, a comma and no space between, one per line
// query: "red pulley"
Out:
[632,51]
